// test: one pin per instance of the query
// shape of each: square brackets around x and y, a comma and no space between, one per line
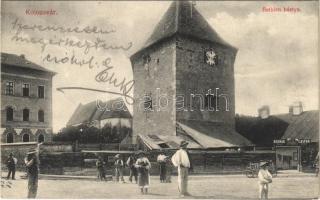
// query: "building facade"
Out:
[26,100]
[184,81]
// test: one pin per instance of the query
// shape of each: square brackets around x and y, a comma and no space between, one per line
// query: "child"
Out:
[264,179]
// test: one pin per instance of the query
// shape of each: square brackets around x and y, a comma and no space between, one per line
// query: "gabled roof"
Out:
[83,113]
[304,126]
[115,108]
[21,61]
[184,19]
[262,132]
[199,135]
[213,135]
[171,142]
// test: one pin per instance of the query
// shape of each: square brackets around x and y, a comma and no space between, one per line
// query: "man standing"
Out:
[11,164]
[161,159]
[119,165]
[133,171]
[32,165]
[100,166]
[181,160]
[265,178]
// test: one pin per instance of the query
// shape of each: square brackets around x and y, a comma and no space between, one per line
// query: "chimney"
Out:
[264,112]
[296,108]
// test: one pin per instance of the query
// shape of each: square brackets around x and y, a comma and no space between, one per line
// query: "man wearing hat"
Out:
[119,165]
[181,160]
[265,178]
[11,164]
[32,165]
[161,159]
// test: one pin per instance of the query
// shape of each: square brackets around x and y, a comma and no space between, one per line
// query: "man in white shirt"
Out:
[265,178]
[181,160]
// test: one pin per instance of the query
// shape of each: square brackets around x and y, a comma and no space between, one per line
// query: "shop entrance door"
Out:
[288,157]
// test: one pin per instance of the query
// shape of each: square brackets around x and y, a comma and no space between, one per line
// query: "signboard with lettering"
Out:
[304,141]
[290,141]
[280,141]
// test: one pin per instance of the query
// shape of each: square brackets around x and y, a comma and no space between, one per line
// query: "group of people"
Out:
[139,166]
[32,167]
[139,169]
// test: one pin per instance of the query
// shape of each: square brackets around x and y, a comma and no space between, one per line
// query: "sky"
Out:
[276,63]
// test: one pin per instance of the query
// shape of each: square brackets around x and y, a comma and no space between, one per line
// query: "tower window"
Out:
[26,114]
[41,116]
[25,89]
[146,61]
[9,113]
[9,88]
[211,101]
[41,92]
[148,102]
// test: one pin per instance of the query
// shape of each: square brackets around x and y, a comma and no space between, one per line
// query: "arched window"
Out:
[26,137]
[41,116]
[26,114]
[9,114]
[9,138]
[41,138]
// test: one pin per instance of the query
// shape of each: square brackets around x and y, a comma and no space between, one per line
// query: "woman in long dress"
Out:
[143,166]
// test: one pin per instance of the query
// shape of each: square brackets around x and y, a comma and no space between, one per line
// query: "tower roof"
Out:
[183,18]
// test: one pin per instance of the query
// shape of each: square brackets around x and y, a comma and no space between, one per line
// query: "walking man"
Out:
[181,160]
[133,170]
[32,165]
[119,165]
[11,164]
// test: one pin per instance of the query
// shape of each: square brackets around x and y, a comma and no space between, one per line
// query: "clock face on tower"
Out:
[211,58]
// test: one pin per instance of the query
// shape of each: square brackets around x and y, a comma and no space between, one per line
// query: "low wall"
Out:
[62,158]
[54,163]
[203,162]
[19,151]
[57,147]
[110,146]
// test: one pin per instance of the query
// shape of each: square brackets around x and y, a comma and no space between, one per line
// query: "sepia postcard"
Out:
[159,99]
